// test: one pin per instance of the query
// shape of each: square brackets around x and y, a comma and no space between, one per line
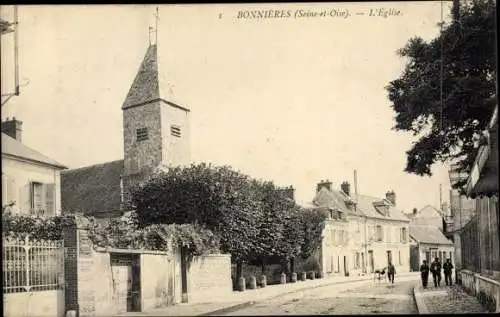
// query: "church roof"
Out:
[14,148]
[93,189]
[150,83]
[97,190]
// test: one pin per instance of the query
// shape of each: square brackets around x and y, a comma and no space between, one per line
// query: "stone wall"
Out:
[477,284]
[158,281]
[209,277]
[92,281]
[39,303]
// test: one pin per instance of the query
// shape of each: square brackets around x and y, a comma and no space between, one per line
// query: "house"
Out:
[480,245]
[427,243]
[428,216]
[427,239]
[30,180]
[155,134]
[363,233]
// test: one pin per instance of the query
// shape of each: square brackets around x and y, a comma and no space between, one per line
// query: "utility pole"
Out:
[7,27]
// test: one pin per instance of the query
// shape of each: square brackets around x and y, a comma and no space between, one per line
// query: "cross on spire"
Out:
[155,29]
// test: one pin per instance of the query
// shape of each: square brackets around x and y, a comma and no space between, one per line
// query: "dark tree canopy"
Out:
[219,198]
[447,131]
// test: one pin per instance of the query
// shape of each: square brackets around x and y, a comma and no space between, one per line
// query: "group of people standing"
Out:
[435,269]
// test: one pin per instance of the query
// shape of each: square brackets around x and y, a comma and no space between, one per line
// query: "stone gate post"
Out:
[78,268]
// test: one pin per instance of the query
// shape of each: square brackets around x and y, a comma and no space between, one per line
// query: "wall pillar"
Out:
[78,265]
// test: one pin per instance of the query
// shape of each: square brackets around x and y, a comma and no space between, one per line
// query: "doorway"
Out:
[371,261]
[363,264]
[346,269]
[126,278]
[389,257]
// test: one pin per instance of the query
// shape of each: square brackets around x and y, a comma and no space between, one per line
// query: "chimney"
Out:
[391,196]
[356,183]
[324,183]
[414,211]
[346,188]
[13,128]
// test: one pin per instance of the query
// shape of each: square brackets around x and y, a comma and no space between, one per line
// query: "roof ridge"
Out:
[90,166]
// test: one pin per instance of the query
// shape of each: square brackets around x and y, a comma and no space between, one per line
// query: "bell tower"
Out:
[155,129]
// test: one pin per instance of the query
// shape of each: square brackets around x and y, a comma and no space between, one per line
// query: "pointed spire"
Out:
[150,84]
[145,87]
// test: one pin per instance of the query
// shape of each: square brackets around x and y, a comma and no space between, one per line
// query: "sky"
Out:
[293,99]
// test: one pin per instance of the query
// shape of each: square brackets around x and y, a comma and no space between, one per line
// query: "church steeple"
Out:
[155,129]
[145,87]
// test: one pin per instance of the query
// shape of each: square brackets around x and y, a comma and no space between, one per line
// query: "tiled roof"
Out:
[150,83]
[333,199]
[428,234]
[93,189]
[365,205]
[11,146]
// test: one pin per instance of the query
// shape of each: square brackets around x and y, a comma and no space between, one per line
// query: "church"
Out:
[155,133]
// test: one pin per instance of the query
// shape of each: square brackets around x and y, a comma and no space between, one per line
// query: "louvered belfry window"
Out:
[142,134]
[175,130]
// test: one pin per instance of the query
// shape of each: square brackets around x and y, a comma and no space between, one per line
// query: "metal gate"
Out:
[29,268]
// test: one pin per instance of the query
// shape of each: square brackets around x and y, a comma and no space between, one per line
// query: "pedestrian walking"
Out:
[447,267]
[391,271]
[436,272]
[424,273]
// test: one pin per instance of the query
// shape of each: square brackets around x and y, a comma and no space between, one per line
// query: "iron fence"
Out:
[32,265]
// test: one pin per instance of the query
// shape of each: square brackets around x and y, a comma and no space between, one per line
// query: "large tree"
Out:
[218,198]
[447,92]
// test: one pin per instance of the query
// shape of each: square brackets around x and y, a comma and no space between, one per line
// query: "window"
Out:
[403,235]
[399,255]
[36,195]
[142,134]
[175,130]
[380,233]
[42,198]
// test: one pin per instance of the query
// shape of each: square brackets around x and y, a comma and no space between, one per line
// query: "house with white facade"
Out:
[30,180]
[363,233]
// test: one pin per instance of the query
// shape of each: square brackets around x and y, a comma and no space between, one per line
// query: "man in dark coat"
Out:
[447,267]
[391,271]
[436,272]
[424,273]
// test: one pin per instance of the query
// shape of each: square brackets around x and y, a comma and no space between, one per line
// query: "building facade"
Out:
[480,242]
[362,233]
[30,180]
[155,134]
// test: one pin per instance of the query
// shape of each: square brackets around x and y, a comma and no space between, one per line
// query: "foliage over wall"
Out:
[19,226]
[122,233]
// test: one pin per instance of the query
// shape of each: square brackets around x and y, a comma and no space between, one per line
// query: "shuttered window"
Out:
[49,199]
[380,233]
[42,199]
